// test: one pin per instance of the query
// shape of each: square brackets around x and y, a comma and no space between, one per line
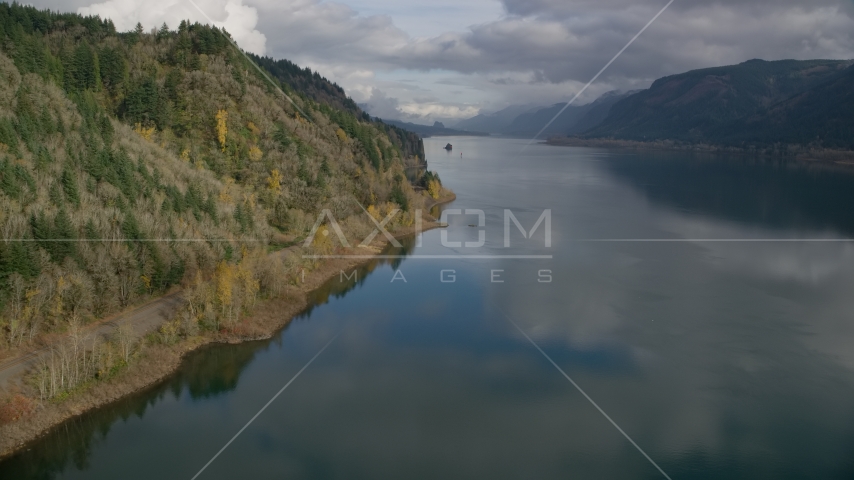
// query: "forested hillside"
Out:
[314,86]
[131,162]
[598,111]
[822,115]
[756,103]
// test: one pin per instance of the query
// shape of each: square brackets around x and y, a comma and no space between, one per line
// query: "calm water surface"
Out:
[720,359]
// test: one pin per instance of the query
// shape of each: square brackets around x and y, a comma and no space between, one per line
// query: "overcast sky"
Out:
[425,60]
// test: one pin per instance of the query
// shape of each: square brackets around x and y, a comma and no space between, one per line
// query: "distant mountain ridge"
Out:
[753,103]
[495,122]
[526,120]
[598,111]
[531,123]
[436,130]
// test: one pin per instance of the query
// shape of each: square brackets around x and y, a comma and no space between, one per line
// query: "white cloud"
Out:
[420,110]
[238,19]
[438,110]
[380,105]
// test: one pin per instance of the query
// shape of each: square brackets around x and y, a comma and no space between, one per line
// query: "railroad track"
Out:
[22,359]
[144,318]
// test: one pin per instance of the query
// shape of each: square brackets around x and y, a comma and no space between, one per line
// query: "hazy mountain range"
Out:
[525,120]
[495,122]
[438,129]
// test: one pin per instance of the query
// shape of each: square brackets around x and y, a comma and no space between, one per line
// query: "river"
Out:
[705,304]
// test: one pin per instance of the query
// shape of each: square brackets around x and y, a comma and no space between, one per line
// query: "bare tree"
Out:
[126,273]
[17,301]
[125,338]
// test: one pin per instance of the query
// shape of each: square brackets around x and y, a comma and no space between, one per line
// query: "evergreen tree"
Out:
[114,69]
[13,179]
[106,128]
[17,257]
[42,230]
[303,173]
[82,69]
[239,217]
[163,32]
[55,195]
[48,126]
[243,217]
[69,185]
[43,158]
[172,83]
[64,236]
[399,197]
[130,227]
[90,230]
[8,136]
[280,135]
[143,104]
[210,208]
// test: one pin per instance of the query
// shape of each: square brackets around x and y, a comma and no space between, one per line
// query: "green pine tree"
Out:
[64,236]
[55,195]
[69,185]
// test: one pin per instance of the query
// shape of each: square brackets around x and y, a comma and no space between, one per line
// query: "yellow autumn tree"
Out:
[249,285]
[222,127]
[147,282]
[372,211]
[342,135]
[250,200]
[406,218]
[379,212]
[254,129]
[227,187]
[434,188]
[255,153]
[321,242]
[224,277]
[274,182]
[145,132]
